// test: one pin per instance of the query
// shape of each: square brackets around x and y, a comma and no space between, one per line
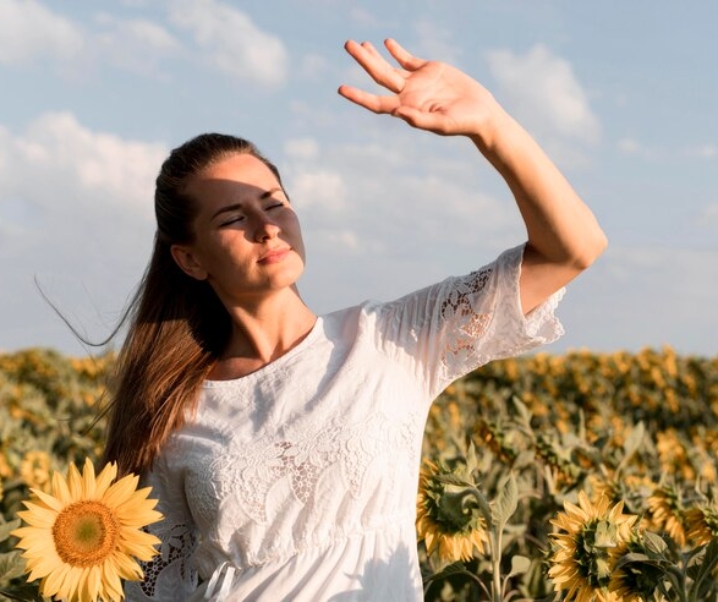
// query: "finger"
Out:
[377,68]
[419,119]
[373,102]
[407,60]
[371,48]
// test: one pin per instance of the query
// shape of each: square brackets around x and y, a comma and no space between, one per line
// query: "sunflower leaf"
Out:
[452,479]
[702,582]
[455,568]
[633,441]
[23,593]
[7,528]
[524,414]
[11,566]
[506,503]
[654,542]
[519,565]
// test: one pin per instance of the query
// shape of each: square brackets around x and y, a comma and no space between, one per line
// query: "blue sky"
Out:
[622,95]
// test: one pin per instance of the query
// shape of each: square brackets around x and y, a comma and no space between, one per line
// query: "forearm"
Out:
[561,228]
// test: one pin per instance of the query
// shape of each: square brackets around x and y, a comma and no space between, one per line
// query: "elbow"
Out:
[591,250]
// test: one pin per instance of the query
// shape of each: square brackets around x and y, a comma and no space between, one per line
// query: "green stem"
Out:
[496,565]
[705,572]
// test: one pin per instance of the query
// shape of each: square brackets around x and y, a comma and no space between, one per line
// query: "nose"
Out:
[265,229]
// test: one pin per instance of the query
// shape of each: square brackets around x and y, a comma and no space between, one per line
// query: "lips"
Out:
[274,256]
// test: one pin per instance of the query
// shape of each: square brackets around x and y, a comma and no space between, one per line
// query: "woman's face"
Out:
[248,242]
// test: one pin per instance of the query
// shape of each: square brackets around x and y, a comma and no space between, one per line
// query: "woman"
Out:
[285,447]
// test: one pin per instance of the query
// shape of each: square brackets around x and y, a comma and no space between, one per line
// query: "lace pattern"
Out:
[315,458]
[178,544]
[468,326]
[247,475]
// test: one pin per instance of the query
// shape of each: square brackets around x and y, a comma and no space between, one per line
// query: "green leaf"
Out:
[452,479]
[523,412]
[23,593]
[11,566]
[472,462]
[519,565]
[455,568]
[633,442]
[506,503]
[703,583]
[6,528]
[654,543]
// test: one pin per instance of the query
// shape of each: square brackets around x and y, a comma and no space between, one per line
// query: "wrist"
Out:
[493,131]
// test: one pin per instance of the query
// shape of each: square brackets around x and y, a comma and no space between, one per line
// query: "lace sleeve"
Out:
[447,330]
[169,575]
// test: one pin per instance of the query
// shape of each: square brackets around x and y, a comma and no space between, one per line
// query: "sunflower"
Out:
[35,470]
[589,539]
[666,509]
[81,540]
[448,516]
[635,575]
[702,523]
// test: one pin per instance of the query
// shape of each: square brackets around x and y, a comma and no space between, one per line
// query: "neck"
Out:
[264,329]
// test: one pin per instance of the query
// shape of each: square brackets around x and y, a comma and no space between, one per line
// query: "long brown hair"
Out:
[178,327]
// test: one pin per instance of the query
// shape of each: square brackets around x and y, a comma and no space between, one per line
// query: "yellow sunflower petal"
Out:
[74,482]
[139,549]
[112,581]
[60,489]
[74,580]
[85,538]
[50,501]
[38,516]
[430,540]
[88,480]
[120,491]
[127,567]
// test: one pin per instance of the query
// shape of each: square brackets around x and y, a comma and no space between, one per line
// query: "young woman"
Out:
[285,447]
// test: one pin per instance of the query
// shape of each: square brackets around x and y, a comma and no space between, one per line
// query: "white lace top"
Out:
[299,481]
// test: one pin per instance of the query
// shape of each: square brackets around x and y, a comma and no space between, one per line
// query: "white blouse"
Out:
[299,481]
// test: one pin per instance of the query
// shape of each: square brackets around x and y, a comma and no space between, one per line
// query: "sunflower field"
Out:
[581,476]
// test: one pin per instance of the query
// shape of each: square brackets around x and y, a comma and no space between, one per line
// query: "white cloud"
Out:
[629,146]
[75,212]
[231,41]
[646,296]
[135,45]
[301,148]
[29,30]
[435,43]
[361,16]
[708,217]
[57,154]
[314,67]
[320,188]
[544,93]
[702,151]
[632,147]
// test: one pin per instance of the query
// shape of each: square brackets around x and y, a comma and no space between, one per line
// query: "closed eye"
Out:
[239,218]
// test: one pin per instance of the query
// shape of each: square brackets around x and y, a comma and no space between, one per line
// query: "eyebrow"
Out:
[236,206]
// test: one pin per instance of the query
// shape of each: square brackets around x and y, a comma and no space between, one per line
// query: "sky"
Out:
[623,97]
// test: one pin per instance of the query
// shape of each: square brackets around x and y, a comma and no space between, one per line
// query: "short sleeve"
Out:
[169,575]
[447,330]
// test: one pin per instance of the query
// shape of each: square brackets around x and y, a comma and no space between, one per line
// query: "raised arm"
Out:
[564,237]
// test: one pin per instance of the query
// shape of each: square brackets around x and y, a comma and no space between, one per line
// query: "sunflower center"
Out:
[593,545]
[85,533]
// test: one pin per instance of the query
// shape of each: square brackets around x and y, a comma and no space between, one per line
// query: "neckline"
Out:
[271,366]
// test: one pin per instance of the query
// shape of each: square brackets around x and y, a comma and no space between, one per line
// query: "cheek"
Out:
[227,253]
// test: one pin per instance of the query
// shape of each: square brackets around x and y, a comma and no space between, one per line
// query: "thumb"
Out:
[416,118]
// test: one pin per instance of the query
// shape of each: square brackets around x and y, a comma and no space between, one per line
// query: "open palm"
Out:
[429,95]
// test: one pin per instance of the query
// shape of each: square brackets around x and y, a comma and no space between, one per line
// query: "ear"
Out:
[187,261]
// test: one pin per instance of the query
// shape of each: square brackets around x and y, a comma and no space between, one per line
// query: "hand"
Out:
[429,95]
